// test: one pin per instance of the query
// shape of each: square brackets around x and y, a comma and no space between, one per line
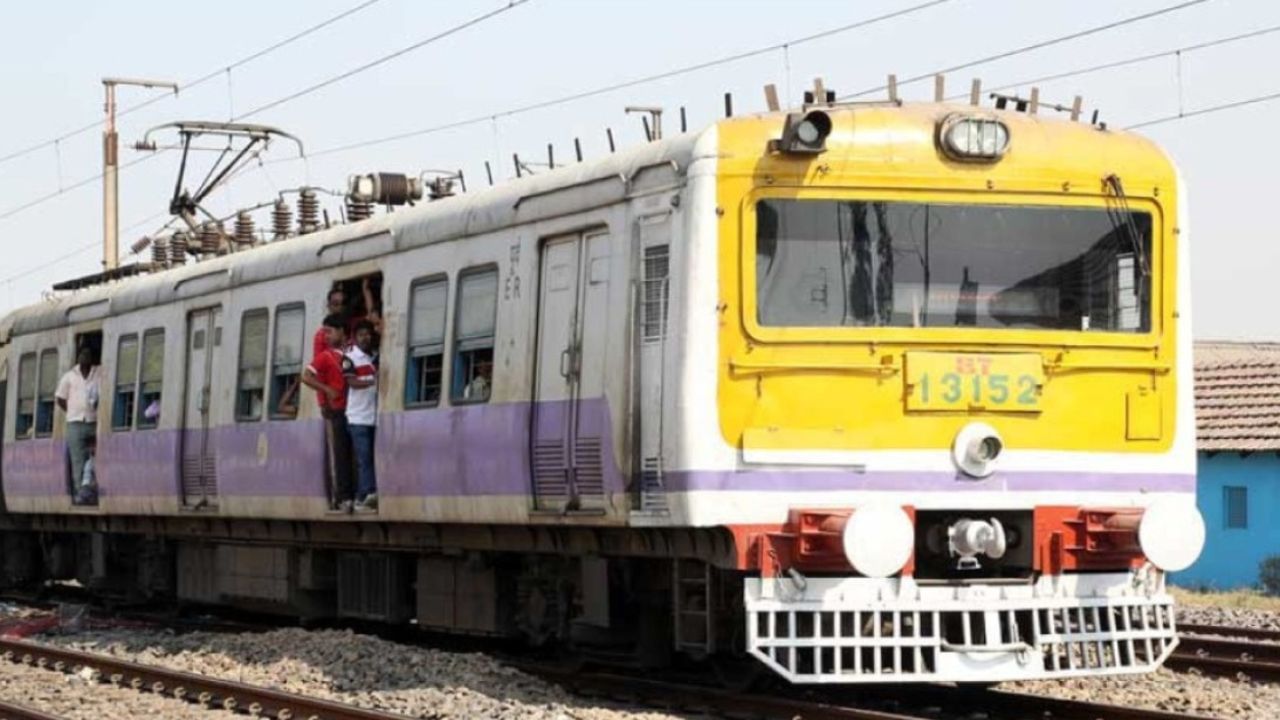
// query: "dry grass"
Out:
[1242,599]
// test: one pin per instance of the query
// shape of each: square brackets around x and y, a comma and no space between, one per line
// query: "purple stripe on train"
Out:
[825,480]
[35,468]
[463,451]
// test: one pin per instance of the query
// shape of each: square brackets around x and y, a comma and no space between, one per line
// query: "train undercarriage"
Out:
[633,597]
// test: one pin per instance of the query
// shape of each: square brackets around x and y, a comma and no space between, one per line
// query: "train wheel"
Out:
[738,673]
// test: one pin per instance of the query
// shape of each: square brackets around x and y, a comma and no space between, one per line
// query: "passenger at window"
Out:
[336,304]
[325,376]
[478,388]
[362,412]
[77,396]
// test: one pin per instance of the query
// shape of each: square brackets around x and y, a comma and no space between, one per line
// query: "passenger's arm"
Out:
[310,380]
[370,309]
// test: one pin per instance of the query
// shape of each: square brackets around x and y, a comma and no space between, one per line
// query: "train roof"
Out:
[895,137]
[589,184]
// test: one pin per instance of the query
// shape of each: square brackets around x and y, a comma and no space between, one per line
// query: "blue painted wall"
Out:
[1231,556]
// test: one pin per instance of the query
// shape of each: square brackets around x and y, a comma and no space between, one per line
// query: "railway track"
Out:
[189,687]
[924,702]
[1219,650]
[9,711]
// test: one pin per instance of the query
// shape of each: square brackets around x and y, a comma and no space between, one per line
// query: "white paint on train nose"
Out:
[1171,534]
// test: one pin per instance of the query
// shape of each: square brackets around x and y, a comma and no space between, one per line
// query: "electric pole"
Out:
[111,169]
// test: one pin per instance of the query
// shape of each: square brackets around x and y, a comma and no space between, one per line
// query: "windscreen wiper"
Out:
[1122,217]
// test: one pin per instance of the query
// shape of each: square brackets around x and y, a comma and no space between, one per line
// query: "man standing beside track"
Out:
[77,395]
[325,376]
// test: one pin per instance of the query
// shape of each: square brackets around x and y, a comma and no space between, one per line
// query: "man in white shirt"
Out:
[77,395]
[361,370]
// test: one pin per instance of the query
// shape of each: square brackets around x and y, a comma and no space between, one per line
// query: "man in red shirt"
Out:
[325,375]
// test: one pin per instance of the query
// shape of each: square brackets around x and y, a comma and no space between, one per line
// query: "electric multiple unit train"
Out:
[860,393]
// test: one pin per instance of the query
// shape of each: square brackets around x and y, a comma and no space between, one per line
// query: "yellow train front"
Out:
[948,349]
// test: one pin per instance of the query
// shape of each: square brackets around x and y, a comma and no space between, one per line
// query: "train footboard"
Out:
[860,630]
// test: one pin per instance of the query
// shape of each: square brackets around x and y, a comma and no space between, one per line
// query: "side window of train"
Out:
[47,386]
[126,393]
[286,360]
[428,308]
[473,331]
[151,378]
[25,423]
[252,374]
[656,292]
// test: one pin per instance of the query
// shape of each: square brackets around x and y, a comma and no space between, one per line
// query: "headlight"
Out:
[977,449]
[878,539]
[973,138]
[1171,534]
[804,134]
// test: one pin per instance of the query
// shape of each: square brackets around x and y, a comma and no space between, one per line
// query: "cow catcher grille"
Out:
[827,641]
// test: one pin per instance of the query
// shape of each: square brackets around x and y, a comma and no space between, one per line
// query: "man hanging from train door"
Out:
[77,396]
[362,412]
[325,376]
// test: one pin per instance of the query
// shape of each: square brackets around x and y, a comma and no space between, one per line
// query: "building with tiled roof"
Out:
[1238,471]
[1237,396]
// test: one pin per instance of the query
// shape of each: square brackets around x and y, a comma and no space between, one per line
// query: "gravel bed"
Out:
[1166,690]
[1234,617]
[347,667]
[75,698]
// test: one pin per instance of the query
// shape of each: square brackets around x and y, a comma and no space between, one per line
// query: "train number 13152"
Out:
[950,381]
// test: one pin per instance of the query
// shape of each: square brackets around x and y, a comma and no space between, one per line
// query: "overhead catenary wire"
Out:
[79,250]
[573,97]
[194,83]
[1133,60]
[73,186]
[1032,47]
[1206,110]
[511,5]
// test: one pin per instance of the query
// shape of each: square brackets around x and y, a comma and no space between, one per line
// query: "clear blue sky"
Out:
[52,56]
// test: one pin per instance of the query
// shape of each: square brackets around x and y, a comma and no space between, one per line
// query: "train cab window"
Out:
[151,378]
[428,304]
[872,263]
[251,376]
[47,386]
[473,333]
[25,423]
[126,391]
[286,361]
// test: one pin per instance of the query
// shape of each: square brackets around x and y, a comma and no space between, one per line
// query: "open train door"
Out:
[199,470]
[570,418]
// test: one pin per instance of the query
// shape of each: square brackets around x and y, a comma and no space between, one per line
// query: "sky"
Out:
[53,56]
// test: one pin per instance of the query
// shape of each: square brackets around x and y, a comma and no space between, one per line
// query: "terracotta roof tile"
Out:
[1237,396]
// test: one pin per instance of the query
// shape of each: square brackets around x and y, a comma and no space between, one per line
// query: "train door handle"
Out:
[202,405]
[566,363]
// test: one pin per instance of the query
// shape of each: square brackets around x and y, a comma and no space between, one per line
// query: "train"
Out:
[845,393]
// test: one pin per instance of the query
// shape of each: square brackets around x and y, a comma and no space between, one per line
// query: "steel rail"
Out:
[190,687]
[914,703]
[1227,648]
[9,711]
[1229,631]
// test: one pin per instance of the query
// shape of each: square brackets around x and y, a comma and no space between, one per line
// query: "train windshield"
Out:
[835,263]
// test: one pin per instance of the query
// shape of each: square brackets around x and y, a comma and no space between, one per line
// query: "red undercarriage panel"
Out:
[1067,539]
